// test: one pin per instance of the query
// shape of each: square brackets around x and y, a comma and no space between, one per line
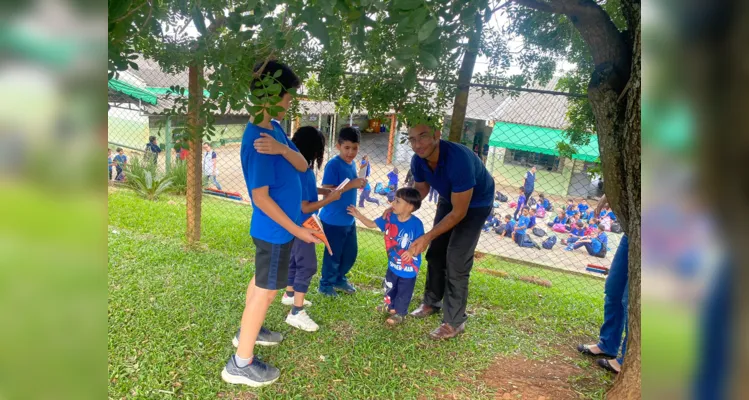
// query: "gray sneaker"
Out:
[265,337]
[256,374]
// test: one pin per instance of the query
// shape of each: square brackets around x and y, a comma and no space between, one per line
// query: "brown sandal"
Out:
[395,319]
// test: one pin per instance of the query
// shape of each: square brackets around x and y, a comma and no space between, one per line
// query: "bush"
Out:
[178,174]
[141,177]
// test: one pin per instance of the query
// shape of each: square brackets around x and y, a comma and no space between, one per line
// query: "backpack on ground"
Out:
[616,227]
[513,204]
[549,243]
[379,188]
[500,229]
[501,197]
[559,228]
[539,232]
[540,212]
[531,202]
[549,207]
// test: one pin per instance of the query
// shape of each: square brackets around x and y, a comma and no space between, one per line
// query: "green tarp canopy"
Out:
[538,139]
[132,91]
[166,90]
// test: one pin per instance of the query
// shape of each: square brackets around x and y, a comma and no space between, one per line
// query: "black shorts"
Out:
[271,264]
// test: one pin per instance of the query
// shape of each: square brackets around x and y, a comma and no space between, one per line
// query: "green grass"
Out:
[173,311]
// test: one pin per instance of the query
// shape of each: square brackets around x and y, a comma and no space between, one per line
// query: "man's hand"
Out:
[418,246]
[386,213]
[353,211]
[306,235]
[267,144]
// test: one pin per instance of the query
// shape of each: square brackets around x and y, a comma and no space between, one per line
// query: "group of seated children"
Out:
[584,227]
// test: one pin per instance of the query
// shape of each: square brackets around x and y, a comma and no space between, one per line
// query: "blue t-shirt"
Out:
[579,232]
[583,208]
[398,238]
[571,210]
[523,222]
[521,201]
[558,220]
[282,179]
[120,159]
[509,226]
[392,179]
[458,169]
[530,182]
[546,204]
[336,170]
[369,170]
[309,191]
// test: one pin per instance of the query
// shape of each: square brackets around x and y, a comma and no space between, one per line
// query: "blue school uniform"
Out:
[509,227]
[282,179]
[309,191]
[335,213]
[570,210]
[523,222]
[583,208]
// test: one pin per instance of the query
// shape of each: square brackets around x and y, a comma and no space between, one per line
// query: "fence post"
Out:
[391,141]
[194,173]
[168,143]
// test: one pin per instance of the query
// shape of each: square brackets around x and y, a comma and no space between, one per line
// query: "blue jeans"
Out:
[615,304]
[398,297]
[212,178]
[524,240]
[344,246]
[365,196]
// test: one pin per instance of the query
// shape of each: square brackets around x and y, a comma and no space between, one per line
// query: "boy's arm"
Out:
[354,212]
[264,202]
[267,144]
[312,206]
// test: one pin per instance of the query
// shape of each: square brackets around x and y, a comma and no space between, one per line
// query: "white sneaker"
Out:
[289,301]
[302,321]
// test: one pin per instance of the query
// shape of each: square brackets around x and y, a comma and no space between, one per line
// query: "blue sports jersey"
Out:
[398,238]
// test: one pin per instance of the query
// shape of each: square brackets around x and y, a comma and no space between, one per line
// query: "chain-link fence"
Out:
[510,131]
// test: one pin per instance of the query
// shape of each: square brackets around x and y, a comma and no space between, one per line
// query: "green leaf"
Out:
[277,74]
[132,65]
[408,4]
[417,17]
[428,60]
[257,119]
[427,29]
[259,92]
[275,110]
[319,30]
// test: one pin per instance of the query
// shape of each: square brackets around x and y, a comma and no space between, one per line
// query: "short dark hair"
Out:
[410,196]
[508,216]
[570,201]
[119,149]
[580,224]
[526,208]
[601,228]
[348,134]
[541,195]
[311,143]
[288,78]
[151,139]
[522,189]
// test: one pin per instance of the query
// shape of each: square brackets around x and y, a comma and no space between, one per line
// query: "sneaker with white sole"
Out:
[289,301]
[255,374]
[302,321]
[265,337]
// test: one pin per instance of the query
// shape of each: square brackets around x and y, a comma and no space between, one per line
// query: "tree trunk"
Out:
[194,158]
[618,124]
[464,81]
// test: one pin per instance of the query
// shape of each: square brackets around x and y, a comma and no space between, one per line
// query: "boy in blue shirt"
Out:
[520,236]
[521,203]
[561,218]
[509,227]
[339,226]
[576,233]
[570,208]
[393,179]
[491,222]
[120,161]
[401,229]
[583,207]
[271,167]
[595,245]
[544,202]
[110,163]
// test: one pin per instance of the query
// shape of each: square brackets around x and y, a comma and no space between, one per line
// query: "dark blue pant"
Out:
[398,292]
[524,240]
[615,303]
[589,246]
[302,265]
[365,195]
[344,246]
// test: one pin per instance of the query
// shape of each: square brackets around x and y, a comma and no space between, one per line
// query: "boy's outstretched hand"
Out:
[267,144]
[353,211]
[406,257]
[306,235]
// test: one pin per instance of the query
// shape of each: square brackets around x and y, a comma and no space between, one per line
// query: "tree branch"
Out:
[501,6]
[128,13]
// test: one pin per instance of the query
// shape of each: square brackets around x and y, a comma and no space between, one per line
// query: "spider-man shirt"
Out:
[398,238]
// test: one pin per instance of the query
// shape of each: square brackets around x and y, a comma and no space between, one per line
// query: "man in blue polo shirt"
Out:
[529,184]
[466,194]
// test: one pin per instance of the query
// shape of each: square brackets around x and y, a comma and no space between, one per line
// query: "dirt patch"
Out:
[518,378]
[536,280]
[236,396]
[501,274]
